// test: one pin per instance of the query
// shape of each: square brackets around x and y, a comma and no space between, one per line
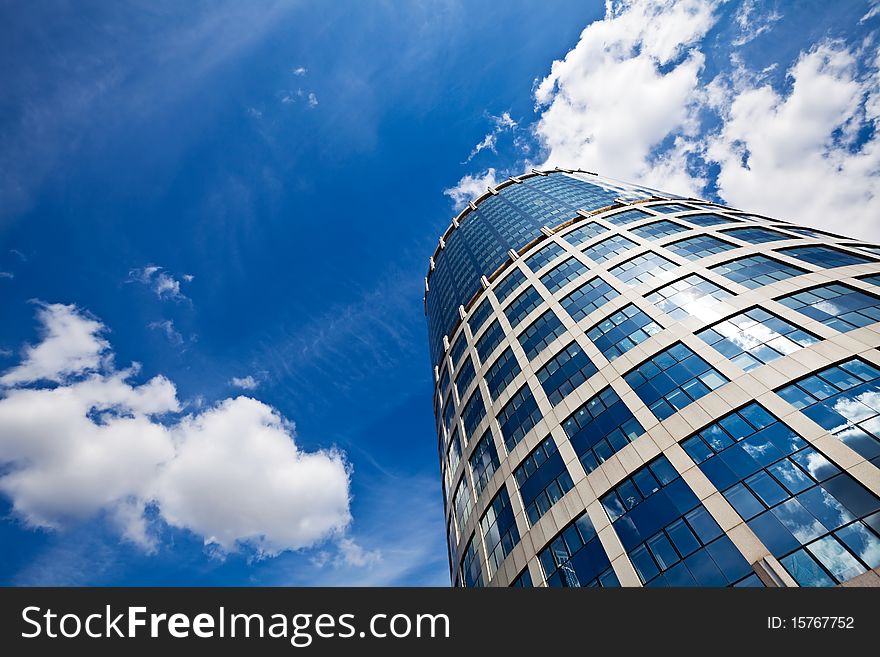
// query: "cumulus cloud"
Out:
[95,442]
[798,155]
[160,281]
[245,382]
[629,83]
[471,187]
[631,100]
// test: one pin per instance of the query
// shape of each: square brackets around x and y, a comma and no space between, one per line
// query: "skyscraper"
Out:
[634,388]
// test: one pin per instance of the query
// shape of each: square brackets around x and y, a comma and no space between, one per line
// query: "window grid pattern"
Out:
[621,331]
[754,338]
[587,298]
[500,534]
[520,307]
[544,256]
[874,279]
[503,371]
[542,480]
[563,274]
[471,573]
[453,458]
[465,377]
[457,349]
[845,401]
[444,379]
[757,234]
[673,379]
[584,233]
[448,411]
[523,581]
[489,341]
[669,536]
[807,513]
[601,427]
[518,417]
[473,413]
[699,246]
[540,334]
[825,256]
[658,229]
[463,504]
[575,558]
[479,316]
[671,208]
[484,461]
[837,306]
[642,268]
[563,373]
[510,283]
[690,296]
[609,248]
[756,271]
[626,217]
[708,219]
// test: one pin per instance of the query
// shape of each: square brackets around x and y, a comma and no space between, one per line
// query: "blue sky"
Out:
[242,199]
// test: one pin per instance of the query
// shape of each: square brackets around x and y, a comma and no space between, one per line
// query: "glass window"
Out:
[587,298]
[484,461]
[576,558]
[564,372]
[479,316]
[756,271]
[503,371]
[563,274]
[489,341]
[757,234]
[520,307]
[601,427]
[609,248]
[669,536]
[453,458]
[584,233]
[457,349]
[874,279]
[542,480]
[448,411]
[658,229]
[540,333]
[626,217]
[642,269]
[838,306]
[699,246]
[709,219]
[825,256]
[544,256]
[509,284]
[465,377]
[867,248]
[845,401]
[518,417]
[462,504]
[754,338]
[673,379]
[523,581]
[670,208]
[500,534]
[473,413]
[444,379]
[471,572]
[691,296]
[621,331]
[785,491]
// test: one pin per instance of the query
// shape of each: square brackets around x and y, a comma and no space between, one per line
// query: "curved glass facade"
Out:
[638,389]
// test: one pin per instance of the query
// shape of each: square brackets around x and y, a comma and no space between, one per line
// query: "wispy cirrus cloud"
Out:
[163,284]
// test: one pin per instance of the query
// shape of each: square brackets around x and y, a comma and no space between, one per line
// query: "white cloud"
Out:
[72,344]
[300,71]
[353,554]
[312,100]
[246,382]
[795,156]
[753,26]
[501,123]
[160,281]
[630,82]
[6,274]
[98,443]
[873,11]
[471,187]
[167,327]
[629,101]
